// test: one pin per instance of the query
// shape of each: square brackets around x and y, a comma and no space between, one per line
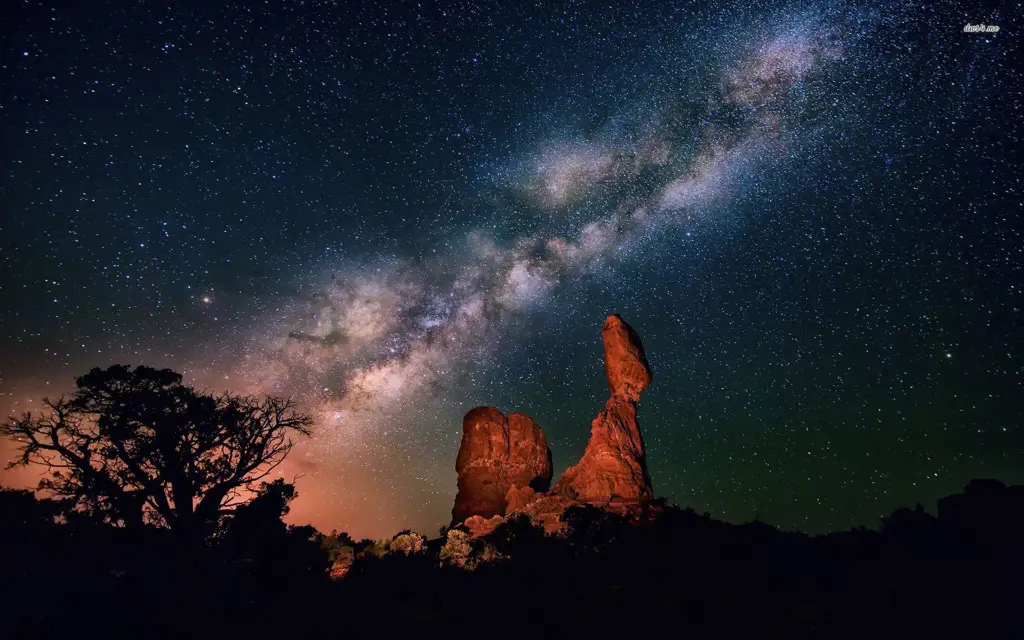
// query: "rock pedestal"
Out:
[613,470]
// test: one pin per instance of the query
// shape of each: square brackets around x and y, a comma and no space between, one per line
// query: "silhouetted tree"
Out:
[255,534]
[337,546]
[136,444]
[262,515]
[590,527]
[518,534]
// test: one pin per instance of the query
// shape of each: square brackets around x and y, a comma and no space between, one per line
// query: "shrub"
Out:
[456,549]
[407,543]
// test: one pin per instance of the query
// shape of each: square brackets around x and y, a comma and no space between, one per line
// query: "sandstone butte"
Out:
[496,455]
[504,464]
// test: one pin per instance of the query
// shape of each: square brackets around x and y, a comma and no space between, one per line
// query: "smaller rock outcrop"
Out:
[545,510]
[518,497]
[480,526]
[498,454]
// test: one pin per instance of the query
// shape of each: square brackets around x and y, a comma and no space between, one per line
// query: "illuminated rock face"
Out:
[504,464]
[613,470]
[625,363]
[498,454]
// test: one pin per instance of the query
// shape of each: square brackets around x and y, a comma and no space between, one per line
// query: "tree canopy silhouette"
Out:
[136,445]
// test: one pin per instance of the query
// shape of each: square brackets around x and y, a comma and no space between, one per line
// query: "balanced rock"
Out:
[613,471]
[625,363]
[498,454]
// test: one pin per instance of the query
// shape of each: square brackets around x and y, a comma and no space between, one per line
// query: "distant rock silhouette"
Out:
[498,454]
[504,464]
[613,470]
[985,506]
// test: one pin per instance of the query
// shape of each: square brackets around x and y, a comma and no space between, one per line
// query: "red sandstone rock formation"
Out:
[544,510]
[625,363]
[613,470]
[498,454]
[481,526]
[504,464]
[518,497]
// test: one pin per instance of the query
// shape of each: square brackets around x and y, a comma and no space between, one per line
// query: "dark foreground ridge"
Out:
[957,575]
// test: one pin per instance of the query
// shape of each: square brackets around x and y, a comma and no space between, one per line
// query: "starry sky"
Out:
[809,211]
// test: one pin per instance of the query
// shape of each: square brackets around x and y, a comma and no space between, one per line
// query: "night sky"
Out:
[810,212]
